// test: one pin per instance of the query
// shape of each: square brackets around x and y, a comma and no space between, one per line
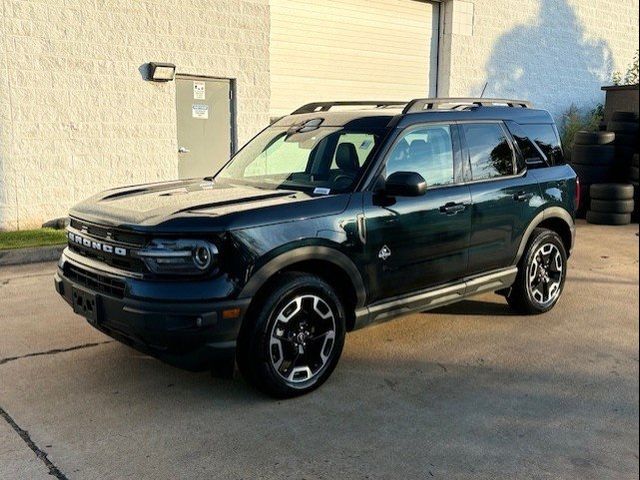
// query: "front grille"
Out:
[113,237]
[109,234]
[94,281]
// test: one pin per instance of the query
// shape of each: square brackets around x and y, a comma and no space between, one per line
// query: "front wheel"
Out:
[541,274]
[293,337]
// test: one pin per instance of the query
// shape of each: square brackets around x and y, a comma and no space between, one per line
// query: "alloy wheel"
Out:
[302,338]
[545,274]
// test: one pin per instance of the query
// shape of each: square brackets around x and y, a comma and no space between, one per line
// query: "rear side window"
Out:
[546,138]
[490,153]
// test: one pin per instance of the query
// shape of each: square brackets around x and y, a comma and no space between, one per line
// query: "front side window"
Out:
[426,150]
[328,158]
[490,154]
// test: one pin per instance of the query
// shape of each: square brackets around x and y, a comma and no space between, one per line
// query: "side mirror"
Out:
[405,184]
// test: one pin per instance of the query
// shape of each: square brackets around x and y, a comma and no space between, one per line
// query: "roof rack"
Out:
[326,106]
[422,104]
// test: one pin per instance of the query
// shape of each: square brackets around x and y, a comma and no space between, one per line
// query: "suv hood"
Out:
[174,203]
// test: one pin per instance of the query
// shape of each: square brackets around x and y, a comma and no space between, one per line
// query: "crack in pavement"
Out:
[54,351]
[41,454]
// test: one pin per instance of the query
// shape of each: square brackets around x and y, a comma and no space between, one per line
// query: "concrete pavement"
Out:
[468,391]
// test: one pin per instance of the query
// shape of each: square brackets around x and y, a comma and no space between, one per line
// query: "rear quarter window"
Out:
[533,139]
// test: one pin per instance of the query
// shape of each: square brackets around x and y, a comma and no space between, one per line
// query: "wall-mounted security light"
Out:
[161,72]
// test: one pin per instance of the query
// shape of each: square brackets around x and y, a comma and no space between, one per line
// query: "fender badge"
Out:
[385,253]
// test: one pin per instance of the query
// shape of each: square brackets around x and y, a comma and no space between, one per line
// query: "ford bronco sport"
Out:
[338,216]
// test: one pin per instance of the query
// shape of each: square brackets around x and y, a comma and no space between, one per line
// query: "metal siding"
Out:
[351,50]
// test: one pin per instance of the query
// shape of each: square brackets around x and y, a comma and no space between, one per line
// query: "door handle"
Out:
[523,196]
[183,150]
[453,208]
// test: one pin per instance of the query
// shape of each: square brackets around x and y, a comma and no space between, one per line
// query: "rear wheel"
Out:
[294,336]
[541,274]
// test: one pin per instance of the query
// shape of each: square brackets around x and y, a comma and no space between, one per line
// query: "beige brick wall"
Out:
[554,52]
[76,116]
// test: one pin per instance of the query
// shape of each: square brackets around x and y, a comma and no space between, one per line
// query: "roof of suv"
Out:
[380,114]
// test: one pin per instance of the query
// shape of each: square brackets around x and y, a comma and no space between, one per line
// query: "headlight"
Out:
[186,257]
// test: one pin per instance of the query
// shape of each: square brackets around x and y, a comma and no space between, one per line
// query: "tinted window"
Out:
[427,151]
[546,138]
[489,150]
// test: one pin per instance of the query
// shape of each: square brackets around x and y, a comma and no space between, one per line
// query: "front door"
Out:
[204,125]
[415,243]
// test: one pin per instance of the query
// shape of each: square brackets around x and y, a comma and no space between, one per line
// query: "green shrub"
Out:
[631,76]
[575,120]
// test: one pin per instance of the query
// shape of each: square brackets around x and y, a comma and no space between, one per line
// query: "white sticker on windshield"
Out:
[321,191]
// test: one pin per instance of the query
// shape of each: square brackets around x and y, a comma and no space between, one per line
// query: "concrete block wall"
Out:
[553,52]
[76,117]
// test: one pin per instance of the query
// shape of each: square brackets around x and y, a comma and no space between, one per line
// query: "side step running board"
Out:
[434,298]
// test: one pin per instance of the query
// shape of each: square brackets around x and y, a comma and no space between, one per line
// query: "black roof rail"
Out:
[326,106]
[422,104]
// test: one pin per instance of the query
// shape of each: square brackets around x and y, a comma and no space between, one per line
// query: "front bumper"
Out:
[190,331]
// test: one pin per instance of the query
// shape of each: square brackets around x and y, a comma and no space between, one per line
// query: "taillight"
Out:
[578,194]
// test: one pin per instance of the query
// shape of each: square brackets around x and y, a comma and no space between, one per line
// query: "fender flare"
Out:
[302,254]
[546,214]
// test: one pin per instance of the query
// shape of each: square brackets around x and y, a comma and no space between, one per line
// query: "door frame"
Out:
[232,100]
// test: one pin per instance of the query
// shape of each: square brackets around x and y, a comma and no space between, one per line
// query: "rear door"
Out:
[414,243]
[205,125]
[504,197]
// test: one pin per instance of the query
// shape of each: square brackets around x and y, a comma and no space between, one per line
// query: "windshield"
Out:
[321,160]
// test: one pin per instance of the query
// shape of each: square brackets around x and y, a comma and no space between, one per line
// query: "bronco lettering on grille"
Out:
[99,246]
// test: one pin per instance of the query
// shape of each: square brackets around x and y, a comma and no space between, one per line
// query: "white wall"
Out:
[553,52]
[76,116]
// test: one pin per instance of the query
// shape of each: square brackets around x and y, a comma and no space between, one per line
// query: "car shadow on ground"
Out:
[475,307]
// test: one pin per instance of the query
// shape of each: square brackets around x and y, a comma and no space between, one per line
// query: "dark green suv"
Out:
[338,216]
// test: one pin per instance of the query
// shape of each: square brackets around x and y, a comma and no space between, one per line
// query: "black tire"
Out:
[593,154]
[594,138]
[255,354]
[521,296]
[612,206]
[599,218]
[611,191]
[623,127]
[624,117]
[627,140]
[590,174]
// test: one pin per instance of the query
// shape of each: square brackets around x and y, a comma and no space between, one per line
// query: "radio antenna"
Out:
[484,89]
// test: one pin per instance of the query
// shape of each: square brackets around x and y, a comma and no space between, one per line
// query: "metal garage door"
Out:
[351,50]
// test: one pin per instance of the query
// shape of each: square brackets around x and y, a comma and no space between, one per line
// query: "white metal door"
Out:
[324,50]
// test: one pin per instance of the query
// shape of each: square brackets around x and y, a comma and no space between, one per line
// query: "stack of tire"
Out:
[595,161]
[625,125]
[611,204]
